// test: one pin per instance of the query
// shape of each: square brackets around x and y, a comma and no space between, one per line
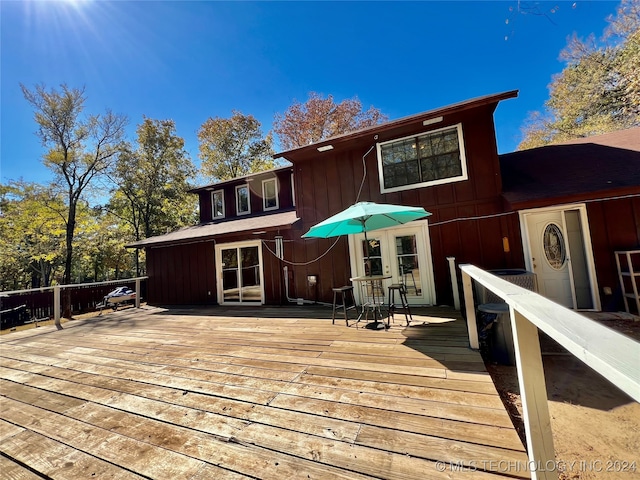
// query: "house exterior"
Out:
[248,250]
[222,259]
[578,202]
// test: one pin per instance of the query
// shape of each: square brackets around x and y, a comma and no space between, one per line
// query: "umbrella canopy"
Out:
[364,217]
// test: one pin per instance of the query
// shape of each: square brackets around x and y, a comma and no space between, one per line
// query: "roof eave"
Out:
[217,185]
[569,199]
[153,242]
[442,111]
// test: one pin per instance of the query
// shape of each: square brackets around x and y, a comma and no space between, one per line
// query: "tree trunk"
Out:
[66,278]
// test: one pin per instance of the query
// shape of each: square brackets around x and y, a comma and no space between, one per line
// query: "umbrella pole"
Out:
[373,287]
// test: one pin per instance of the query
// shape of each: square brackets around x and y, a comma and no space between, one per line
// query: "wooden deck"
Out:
[275,393]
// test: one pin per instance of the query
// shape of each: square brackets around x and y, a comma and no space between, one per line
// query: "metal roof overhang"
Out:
[207,231]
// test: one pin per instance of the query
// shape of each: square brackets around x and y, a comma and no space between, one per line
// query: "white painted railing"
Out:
[57,304]
[613,355]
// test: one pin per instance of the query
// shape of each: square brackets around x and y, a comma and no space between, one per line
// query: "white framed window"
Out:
[243,205]
[217,204]
[270,194]
[431,158]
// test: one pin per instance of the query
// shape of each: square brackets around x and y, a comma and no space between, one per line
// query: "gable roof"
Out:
[398,124]
[580,169]
[206,231]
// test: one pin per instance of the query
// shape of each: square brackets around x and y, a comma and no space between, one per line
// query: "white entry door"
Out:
[559,253]
[240,276]
[402,252]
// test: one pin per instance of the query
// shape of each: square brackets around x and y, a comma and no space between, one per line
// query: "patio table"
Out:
[372,297]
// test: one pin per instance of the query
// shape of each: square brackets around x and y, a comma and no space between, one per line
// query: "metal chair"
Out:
[344,292]
[406,271]
[404,303]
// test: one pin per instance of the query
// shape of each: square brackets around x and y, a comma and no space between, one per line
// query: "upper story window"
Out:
[217,204]
[269,194]
[427,159]
[243,206]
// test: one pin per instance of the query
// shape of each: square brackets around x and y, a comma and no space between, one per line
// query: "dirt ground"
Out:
[596,427]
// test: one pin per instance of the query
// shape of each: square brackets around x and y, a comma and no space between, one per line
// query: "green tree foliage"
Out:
[153,180]
[32,236]
[599,89]
[100,246]
[79,148]
[320,118]
[233,147]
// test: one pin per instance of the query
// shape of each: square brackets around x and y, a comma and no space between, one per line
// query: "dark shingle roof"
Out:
[587,167]
[206,231]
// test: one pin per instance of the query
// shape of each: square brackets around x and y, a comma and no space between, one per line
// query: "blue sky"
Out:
[189,61]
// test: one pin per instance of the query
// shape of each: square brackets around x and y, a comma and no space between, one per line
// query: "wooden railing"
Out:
[613,355]
[57,290]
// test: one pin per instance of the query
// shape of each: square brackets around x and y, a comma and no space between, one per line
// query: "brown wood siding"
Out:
[206,206]
[285,192]
[326,183]
[614,225]
[330,182]
[285,197]
[185,274]
[181,274]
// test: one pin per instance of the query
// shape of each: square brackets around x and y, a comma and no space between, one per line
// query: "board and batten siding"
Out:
[181,274]
[614,225]
[285,197]
[328,182]
[186,274]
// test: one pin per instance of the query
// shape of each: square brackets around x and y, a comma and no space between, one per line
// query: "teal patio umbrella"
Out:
[364,217]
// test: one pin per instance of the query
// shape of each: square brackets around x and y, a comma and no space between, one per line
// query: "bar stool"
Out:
[344,292]
[404,303]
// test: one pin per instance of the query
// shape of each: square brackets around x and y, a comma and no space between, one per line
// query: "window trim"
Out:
[213,213]
[264,196]
[238,187]
[459,178]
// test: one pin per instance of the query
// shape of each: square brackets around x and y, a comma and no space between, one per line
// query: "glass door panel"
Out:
[408,264]
[401,253]
[240,268]
[230,277]
[250,287]
[371,256]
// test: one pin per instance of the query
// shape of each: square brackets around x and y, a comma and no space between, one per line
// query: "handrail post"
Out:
[137,292]
[467,289]
[454,282]
[57,307]
[533,392]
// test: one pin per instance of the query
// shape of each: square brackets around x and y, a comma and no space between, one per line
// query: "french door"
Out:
[402,252]
[240,276]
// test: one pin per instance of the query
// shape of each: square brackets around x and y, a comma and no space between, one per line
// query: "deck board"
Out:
[209,393]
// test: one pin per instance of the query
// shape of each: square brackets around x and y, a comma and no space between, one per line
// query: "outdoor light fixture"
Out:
[505,244]
[325,148]
[431,121]
[312,280]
